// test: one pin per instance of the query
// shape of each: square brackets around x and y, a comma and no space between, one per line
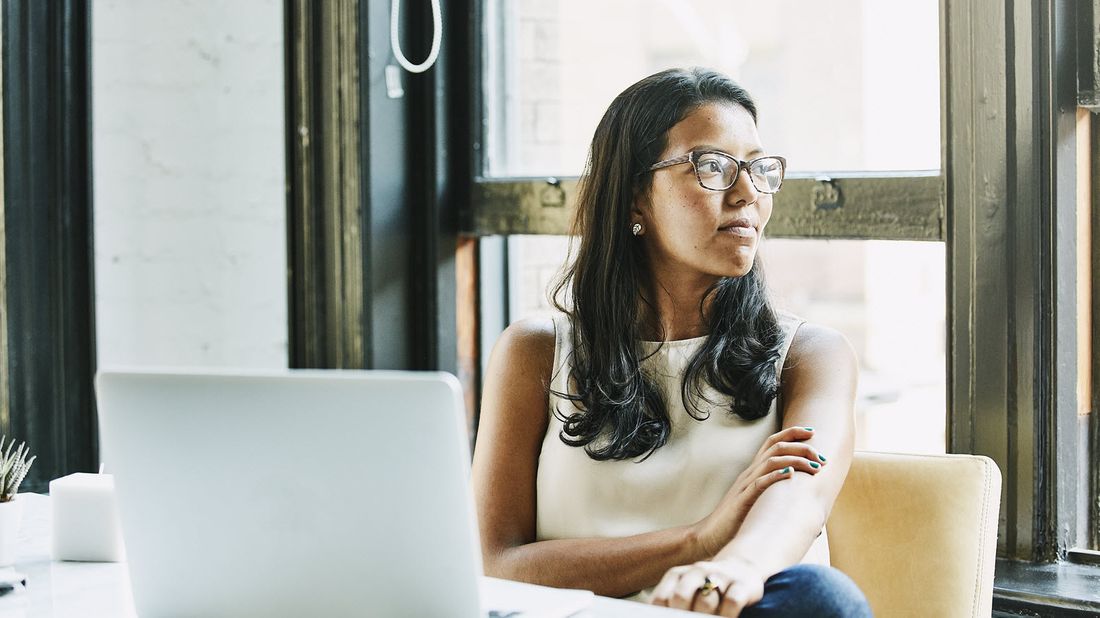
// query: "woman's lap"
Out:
[810,590]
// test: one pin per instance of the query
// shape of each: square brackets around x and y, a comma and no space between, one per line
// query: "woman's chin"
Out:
[737,270]
[740,265]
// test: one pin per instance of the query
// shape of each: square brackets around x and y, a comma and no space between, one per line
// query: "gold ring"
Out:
[707,587]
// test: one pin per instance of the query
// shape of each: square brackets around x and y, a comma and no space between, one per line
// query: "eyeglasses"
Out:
[718,171]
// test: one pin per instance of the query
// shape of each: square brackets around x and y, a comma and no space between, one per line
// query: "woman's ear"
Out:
[637,220]
[639,205]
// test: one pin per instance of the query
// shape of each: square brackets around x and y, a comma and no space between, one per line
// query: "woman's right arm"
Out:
[513,423]
[514,420]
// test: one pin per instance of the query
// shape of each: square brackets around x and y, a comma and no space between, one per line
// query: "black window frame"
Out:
[47,314]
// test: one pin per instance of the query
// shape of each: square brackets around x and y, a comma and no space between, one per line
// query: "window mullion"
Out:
[852,206]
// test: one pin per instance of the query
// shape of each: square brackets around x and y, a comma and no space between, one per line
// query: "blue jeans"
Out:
[810,590]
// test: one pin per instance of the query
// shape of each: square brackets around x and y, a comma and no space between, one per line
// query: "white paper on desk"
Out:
[503,596]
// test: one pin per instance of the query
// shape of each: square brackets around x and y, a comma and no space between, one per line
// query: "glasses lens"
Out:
[767,174]
[716,170]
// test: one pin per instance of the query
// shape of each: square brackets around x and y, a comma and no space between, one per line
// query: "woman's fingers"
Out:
[683,595]
[683,588]
[773,470]
[766,473]
[734,601]
[797,462]
[778,468]
[708,597]
[801,449]
[731,588]
[790,434]
[664,589]
[746,586]
[782,440]
[766,480]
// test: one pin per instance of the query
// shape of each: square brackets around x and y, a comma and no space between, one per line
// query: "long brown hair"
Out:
[621,412]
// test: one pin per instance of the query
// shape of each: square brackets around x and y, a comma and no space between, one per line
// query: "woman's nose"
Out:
[742,191]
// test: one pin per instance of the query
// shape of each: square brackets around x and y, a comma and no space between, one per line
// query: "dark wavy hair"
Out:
[620,411]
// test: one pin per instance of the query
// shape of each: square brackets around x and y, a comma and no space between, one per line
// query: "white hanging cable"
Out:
[395,40]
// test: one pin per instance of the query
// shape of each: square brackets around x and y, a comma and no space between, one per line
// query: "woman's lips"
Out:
[740,231]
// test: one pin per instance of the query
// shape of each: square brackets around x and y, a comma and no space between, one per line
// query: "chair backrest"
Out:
[918,533]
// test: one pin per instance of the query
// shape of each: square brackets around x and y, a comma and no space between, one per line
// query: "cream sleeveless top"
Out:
[679,484]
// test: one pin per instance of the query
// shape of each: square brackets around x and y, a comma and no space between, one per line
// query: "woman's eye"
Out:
[767,167]
[710,166]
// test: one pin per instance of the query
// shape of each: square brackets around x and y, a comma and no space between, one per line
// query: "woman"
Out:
[670,436]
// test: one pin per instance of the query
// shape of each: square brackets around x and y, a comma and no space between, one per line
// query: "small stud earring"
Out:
[636,229]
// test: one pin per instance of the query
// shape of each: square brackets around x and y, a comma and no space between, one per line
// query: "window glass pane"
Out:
[844,85]
[886,297]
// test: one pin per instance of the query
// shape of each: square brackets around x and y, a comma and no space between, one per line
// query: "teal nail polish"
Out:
[821,457]
[815,465]
[786,470]
[808,428]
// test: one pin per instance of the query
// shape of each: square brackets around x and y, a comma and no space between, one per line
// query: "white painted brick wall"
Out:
[190,231]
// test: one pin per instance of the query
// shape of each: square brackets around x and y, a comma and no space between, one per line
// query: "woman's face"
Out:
[690,230]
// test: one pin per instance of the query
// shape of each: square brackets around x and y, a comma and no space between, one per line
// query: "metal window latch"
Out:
[552,195]
[825,195]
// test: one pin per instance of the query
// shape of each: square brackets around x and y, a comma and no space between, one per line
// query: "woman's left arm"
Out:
[819,387]
[818,390]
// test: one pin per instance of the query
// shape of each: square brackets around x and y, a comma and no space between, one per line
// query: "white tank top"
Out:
[679,484]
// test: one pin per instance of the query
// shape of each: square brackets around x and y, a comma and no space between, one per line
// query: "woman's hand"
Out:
[733,585]
[779,457]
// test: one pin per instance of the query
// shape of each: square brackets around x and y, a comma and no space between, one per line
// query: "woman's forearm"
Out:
[779,528]
[613,567]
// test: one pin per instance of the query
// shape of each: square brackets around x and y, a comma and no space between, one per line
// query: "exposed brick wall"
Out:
[189,183]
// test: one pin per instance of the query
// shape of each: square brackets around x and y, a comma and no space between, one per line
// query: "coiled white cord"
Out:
[395,39]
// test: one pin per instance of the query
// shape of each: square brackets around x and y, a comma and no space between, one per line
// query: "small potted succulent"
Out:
[13,468]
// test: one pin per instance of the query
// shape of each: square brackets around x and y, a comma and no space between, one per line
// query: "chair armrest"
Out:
[918,533]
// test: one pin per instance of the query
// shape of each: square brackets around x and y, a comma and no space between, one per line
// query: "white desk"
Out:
[93,590]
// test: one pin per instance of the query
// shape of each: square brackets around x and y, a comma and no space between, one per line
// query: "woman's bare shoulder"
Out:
[530,341]
[522,361]
[816,346]
[818,388]
[514,392]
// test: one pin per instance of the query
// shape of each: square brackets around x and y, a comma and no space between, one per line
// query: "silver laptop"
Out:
[292,493]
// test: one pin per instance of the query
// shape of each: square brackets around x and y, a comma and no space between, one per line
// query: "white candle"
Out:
[85,518]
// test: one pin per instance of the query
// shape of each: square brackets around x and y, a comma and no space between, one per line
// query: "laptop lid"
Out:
[292,492]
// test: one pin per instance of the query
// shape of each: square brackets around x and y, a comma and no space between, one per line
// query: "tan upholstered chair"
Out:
[918,533]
